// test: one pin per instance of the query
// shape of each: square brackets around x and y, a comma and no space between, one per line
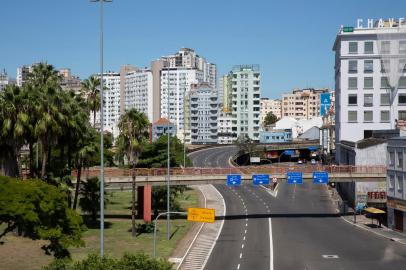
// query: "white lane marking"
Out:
[242,246]
[240,255]
[246,224]
[330,256]
[238,266]
[243,238]
[270,245]
[245,231]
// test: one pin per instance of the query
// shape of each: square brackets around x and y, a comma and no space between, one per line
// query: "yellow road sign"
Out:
[201,214]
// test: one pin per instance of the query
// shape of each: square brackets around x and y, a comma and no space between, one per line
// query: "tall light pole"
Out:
[101,131]
[168,194]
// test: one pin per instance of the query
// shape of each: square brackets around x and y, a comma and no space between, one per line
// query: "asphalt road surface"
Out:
[305,231]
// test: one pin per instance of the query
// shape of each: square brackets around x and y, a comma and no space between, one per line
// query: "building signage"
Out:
[201,214]
[396,204]
[380,23]
[325,103]
[233,180]
[376,197]
[260,179]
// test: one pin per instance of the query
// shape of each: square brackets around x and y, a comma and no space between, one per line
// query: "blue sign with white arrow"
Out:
[294,177]
[260,179]
[320,177]
[233,180]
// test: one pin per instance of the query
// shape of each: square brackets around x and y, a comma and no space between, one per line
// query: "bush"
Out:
[145,227]
[127,262]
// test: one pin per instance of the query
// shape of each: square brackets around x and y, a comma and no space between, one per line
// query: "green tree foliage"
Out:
[90,197]
[270,119]
[155,154]
[91,93]
[159,198]
[127,262]
[39,211]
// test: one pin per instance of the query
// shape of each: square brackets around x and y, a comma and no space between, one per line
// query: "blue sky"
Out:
[291,40]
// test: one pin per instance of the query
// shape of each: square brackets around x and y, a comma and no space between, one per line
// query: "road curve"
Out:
[306,232]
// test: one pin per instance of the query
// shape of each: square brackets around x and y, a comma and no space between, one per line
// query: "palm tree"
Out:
[13,125]
[134,128]
[45,80]
[91,94]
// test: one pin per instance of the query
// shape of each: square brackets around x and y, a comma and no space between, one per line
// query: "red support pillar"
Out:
[144,203]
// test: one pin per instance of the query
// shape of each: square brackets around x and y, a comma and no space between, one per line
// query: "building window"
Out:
[352,116]
[352,66]
[353,47]
[391,158]
[402,115]
[399,183]
[402,99]
[385,66]
[384,116]
[368,47]
[385,47]
[402,47]
[368,100]
[352,100]
[368,66]
[391,181]
[368,116]
[368,82]
[402,65]
[384,83]
[352,83]
[400,159]
[402,82]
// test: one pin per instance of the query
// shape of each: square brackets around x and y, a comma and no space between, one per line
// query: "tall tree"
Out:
[45,79]
[91,93]
[134,127]
[270,119]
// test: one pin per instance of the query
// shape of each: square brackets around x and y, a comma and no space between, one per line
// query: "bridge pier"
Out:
[144,200]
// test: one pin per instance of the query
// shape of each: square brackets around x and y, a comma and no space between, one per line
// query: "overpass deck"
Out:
[193,175]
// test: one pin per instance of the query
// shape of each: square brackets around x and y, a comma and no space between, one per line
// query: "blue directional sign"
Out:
[294,177]
[233,180]
[320,177]
[260,179]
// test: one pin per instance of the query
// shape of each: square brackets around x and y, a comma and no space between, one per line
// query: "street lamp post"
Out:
[101,131]
[168,194]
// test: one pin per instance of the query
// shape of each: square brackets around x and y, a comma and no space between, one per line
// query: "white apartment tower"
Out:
[4,81]
[370,78]
[246,94]
[176,74]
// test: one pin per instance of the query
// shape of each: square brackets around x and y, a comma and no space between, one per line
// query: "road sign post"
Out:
[320,177]
[294,178]
[260,179]
[233,180]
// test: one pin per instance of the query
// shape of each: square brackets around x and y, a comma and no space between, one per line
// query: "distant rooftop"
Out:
[162,121]
[253,67]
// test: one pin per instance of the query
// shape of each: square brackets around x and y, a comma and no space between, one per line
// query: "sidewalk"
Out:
[366,224]
[363,222]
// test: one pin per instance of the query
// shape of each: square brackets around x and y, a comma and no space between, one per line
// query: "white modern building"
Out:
[204,109]
[246,94]
[181,69]
[4,81]
[22,73]
[370,82]
[270,105]
[225,130]
[138,92]
[111,108]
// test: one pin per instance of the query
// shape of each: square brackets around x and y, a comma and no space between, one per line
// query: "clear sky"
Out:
[291,40]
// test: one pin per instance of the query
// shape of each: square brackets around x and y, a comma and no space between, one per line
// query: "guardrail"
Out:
[120,172]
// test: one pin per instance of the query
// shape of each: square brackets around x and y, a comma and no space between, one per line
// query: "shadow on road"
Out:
[293,215]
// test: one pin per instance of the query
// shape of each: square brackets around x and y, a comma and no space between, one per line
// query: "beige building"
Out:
[270,105]
[68,81]
[302,103]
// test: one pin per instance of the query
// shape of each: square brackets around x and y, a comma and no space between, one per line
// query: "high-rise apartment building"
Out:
[246,94]
[270,105]
[370,78]
[137,93]
[225,133]
[203,110]
[4,81]
[111,108]
[302,103]
[181,69]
